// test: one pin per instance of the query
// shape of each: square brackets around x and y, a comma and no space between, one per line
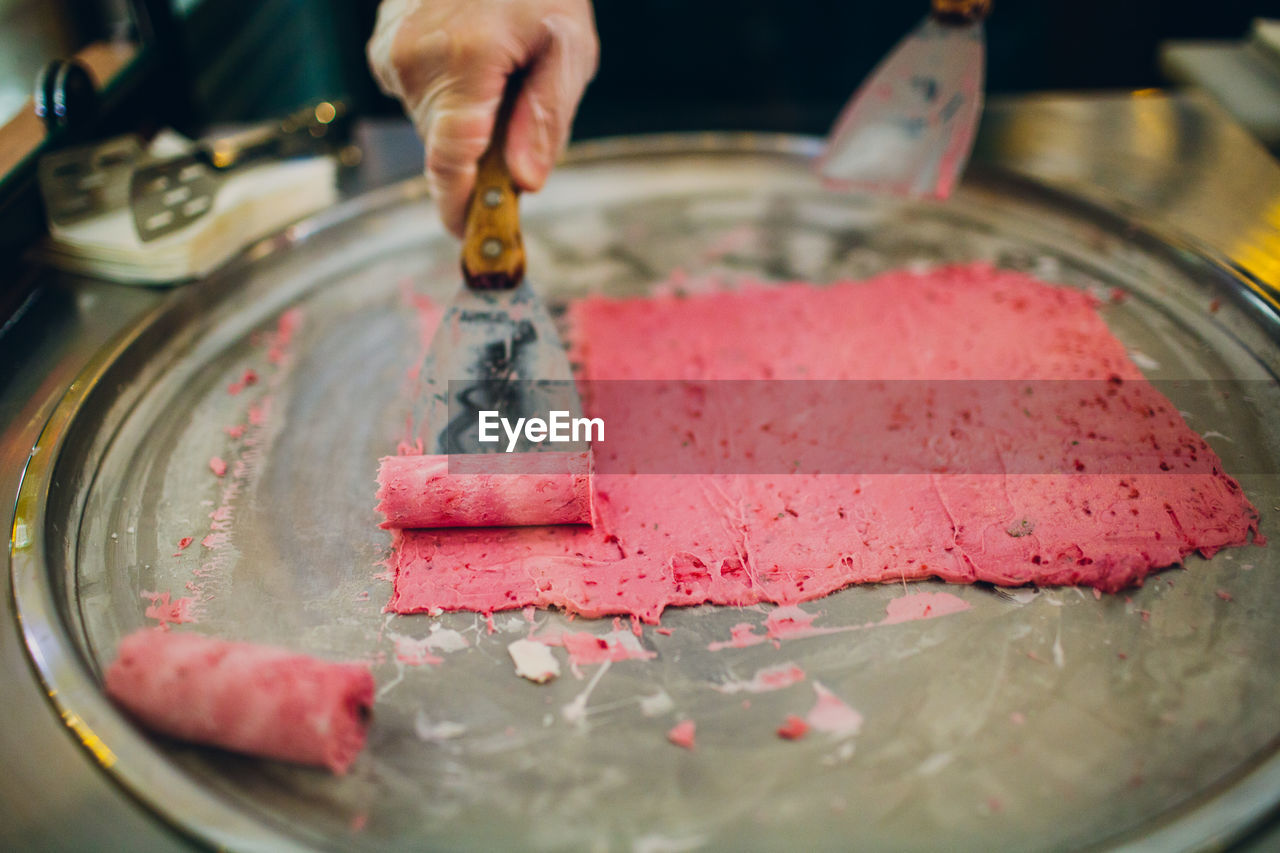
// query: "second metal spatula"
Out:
[496,347]
[910,127]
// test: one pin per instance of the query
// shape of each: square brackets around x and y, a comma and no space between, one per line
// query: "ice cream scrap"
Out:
[428,313]
[769,678]
[681,734]
[676,540]
[832,716]
[213,571]
[534,661]
[741,636]
[792,623]
[168,612]
[249,377]
[280,341]
[247,698]
[414,652]
[587,648]
[923,605]
[793,728]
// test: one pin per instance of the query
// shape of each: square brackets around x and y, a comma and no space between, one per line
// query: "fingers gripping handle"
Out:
[492,248]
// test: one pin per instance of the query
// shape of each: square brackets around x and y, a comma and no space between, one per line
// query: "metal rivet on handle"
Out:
[491,248]
[492,197]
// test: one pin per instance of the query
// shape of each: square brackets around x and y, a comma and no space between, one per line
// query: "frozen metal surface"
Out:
[1177,164]
[1049,719]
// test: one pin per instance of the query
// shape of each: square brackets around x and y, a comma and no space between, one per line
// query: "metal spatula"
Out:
[88,180]
[168,195]
[496,347]
[909,128]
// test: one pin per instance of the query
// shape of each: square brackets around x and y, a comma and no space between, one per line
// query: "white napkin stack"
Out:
[250,204]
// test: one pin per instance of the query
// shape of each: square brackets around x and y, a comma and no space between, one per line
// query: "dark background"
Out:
[784,65]
[666,65]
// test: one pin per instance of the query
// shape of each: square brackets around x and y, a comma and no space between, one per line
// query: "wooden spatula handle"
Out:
[961,11]
[492,248]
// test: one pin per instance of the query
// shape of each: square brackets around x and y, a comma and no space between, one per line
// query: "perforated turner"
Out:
[168,195]
[496,347]
[909,128]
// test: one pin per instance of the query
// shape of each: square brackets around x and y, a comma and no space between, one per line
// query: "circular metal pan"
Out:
[1044,720]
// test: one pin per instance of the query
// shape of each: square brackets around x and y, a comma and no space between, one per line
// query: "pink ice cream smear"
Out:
[415,652]
[769,678]
[662,540]
[586,648]
[832,715]
[922,605]
[166,612]
[790,622]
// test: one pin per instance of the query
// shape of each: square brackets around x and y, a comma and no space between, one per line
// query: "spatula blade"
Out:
[494,350]
[169,195]
[909,129]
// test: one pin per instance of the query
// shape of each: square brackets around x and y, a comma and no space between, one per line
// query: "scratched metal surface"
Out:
[1046,720]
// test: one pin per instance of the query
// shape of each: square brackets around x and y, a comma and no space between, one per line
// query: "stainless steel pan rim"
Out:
[132,761]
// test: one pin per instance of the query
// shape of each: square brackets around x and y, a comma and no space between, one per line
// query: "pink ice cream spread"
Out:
[740,539]
[253,699]
[513,490]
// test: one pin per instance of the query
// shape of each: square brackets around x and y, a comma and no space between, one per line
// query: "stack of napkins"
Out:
[250,204]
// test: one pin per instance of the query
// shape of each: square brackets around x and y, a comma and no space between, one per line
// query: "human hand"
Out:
[448,62]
